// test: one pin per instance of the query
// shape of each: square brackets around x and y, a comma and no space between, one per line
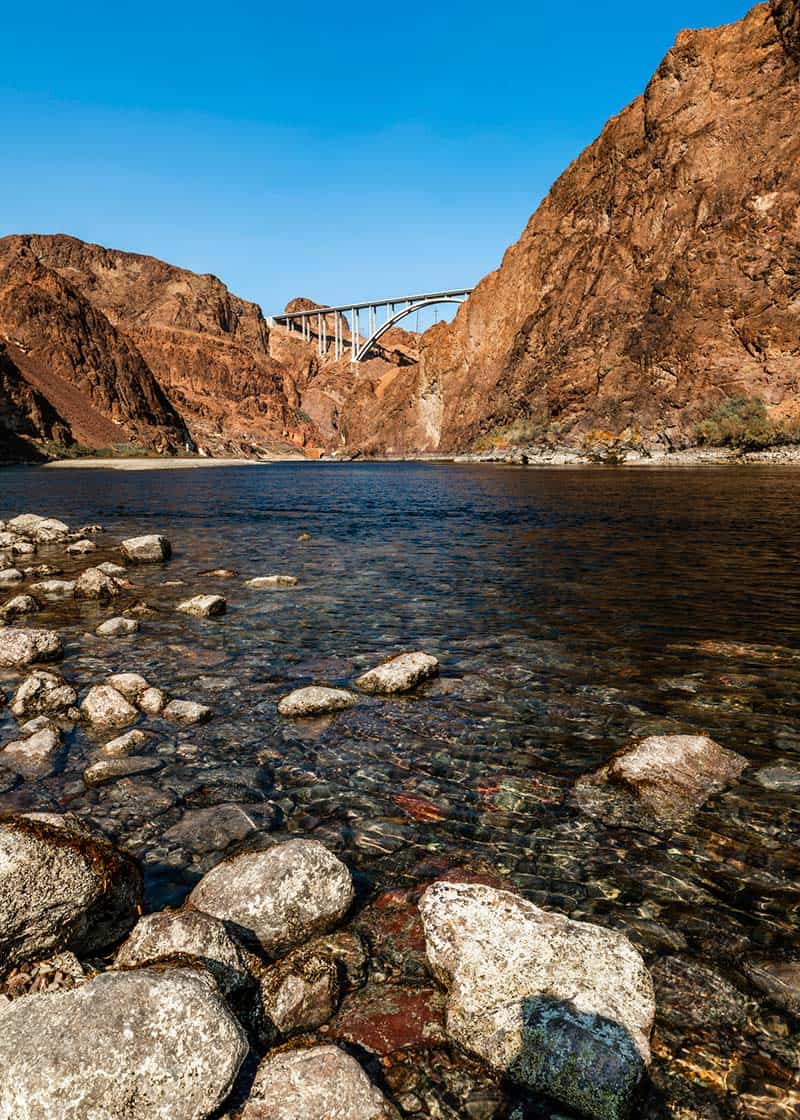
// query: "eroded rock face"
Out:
[315,700]
[315,1084]
[190,933]
[667,777]
[280,897]
[560,1007]
[20,648]
[399,674]
[144,1045]
[148,549]
[61,890]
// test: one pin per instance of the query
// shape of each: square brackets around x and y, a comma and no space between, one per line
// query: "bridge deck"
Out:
[449,294]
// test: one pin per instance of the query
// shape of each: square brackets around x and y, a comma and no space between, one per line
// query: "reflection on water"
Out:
[571,610]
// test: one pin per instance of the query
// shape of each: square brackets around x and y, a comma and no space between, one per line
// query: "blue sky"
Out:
[336,151]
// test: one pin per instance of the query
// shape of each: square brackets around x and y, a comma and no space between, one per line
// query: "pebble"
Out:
[125,744]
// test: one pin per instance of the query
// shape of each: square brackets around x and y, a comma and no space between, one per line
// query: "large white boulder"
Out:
[561,1007]
[150,1044]
[280,897]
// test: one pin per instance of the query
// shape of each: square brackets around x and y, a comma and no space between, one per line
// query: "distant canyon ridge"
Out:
[658,280]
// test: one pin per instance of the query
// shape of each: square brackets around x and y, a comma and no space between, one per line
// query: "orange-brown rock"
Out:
[660,275]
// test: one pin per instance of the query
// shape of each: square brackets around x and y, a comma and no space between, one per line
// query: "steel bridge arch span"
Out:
[393,320]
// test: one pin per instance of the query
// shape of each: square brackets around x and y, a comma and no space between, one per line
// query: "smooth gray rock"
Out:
[43,693]
[315,700]
[399,674]
[560,1007]
[782,777]
[19,606]
[122,766]
[35,756]
[60,889]
[20,648]
[117,628]
[109,569]
[190,933]
[271,583]
[187,712]
[54,588]
[104,706]
[151,1044]
[316,1084]
[664,777]
[280,897]
[81,547]
[204,606]
[148,549]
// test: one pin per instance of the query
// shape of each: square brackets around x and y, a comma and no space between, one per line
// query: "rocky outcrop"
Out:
[657,279]
[144,1045]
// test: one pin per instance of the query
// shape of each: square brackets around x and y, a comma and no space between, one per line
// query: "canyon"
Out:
[658,279]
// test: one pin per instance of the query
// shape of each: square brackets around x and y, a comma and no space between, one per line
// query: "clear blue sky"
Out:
[336,151]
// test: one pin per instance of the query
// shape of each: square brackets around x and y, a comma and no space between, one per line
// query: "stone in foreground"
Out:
[190,933]
[61,890]
[316,1084]
[280,897]
[19,648]
[104,706]
[144,1045]
[315,700]
[667,777]
[149,549]
[399,674]
[560,1007]
[117,627]
[204,606]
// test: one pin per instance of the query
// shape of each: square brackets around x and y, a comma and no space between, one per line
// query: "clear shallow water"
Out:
[571,610]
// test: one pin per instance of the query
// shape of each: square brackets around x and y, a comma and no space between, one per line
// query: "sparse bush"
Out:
[744,423]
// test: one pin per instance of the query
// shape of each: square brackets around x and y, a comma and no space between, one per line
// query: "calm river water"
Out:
[571,611]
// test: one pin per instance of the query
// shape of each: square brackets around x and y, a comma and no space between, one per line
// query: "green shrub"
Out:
[745,424]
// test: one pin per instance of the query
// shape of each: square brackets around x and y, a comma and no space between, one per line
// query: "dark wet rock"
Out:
[60,889]
[81,547]
[271,583]
[385,1018]
[10,577]
[35,756]
[204,606]
[315,1084]
[148,549]
[20,648]
[187,712]
[43,692]
[18,606]
[346,950]
[94,584]
[560,1007]
[779,980]
[215,828]
[110,769]
[188,933]
[54,588]
[668,777]
[315,700]
[782,777]
[117,627]
[149,1044]
[392,927]
[280,897]
[300,992]
[125,744]
[690,995]
[399,674]
[104,706]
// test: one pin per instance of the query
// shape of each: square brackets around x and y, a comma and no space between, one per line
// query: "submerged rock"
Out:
[315,1084]
[117,627]
[148,549]
[60,889]
[150,1044]
[399,674]
[124,744]
[54,588]
[261,583]
[110,569]
[668,777]
[81,547]
[315,700]
[187,712]
[10,577]
[190,933]
[104,706]
[300,992]
[119,766]
[779,981]
[204,606]
[19,648]
[35,756]
[279,897]
[43,692]
[560,1007]
[783,777]
[18,606]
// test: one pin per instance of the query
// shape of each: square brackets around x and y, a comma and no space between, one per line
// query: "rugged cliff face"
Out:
[660,275]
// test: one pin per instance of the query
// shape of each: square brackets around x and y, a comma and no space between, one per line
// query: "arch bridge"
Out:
[315,320]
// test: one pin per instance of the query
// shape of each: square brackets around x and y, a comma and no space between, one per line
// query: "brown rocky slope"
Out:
[660,276]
